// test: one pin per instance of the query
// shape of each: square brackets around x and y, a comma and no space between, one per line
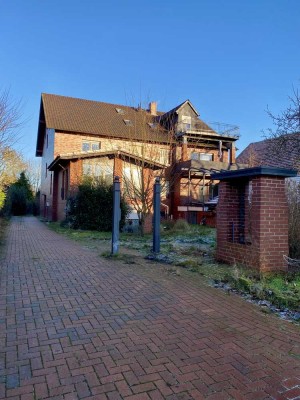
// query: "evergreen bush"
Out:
[19,199]
[92,205]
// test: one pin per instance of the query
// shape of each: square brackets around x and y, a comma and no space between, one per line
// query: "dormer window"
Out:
[120,111]
[152,125]
[128,122]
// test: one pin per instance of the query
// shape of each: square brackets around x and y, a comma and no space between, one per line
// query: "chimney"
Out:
[153,108]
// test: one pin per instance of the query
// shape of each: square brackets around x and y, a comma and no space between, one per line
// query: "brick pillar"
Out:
[252,218]
[118,168]
[184,148]
[270,205]
[232,153]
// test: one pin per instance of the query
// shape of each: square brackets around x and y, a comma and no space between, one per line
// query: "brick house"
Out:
[279,152]
[79,137]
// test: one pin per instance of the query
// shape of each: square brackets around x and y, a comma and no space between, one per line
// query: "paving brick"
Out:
[291,383]
[77,326]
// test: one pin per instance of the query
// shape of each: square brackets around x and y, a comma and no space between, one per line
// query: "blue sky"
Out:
[231,58]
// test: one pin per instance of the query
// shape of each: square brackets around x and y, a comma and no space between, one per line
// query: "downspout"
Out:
[203,186]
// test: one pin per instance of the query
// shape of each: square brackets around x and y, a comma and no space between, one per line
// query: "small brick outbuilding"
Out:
[252,217]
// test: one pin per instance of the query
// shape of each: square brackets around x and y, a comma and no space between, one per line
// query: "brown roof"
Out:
[281,152]
[93,117]
[70,114]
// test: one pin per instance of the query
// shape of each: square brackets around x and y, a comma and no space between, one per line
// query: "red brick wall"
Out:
[118,168]
[265,228]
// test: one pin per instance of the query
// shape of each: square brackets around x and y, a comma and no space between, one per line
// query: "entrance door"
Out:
[192,217]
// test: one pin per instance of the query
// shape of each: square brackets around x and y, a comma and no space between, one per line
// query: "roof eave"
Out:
[114,153]
[41,131]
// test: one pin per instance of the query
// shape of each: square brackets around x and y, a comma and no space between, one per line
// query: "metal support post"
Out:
[116,216]
[156,216]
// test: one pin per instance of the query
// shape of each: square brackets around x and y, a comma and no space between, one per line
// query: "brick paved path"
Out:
[77,326]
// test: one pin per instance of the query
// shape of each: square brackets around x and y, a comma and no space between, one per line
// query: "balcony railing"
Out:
[213,128]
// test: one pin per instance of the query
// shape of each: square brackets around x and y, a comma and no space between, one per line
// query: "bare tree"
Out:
[10,120]
[138,181]
[288,121]
[33,172]
[11,162]
[151,158]
[286,132]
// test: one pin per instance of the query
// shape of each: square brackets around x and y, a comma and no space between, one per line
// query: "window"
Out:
[128,122]
[99,168]
[187,121]
[132,180]
[46,170]
[163,156]
[206,157]
[89,145]
[202,156]
[86,168]
[95,146]
[120,111]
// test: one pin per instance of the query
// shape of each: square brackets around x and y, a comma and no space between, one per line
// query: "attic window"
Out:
[128,122]
[120,110]
[187,121]
[152,125]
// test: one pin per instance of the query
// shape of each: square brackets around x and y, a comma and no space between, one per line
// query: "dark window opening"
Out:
[64,185]
[237,225]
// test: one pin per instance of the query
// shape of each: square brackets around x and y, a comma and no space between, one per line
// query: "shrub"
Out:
[167,225]
[181,225]
[92,206]
[19,199]
[2,198]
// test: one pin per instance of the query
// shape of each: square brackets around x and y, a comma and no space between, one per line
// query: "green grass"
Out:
[282,290]
[79,235]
